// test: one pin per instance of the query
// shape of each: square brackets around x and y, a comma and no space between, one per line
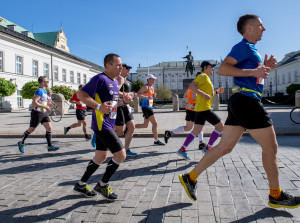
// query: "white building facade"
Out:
[24,59]
[286,72]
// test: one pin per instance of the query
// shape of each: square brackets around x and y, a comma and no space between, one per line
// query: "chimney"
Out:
[25,33]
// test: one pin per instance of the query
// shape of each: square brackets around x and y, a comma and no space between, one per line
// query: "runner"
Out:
[204,89]
[189,118]
[102,94]
[80,115]
[146,93]
[124,116]
[245,111]
[39,114]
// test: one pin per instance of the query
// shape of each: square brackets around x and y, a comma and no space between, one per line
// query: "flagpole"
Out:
[148,63]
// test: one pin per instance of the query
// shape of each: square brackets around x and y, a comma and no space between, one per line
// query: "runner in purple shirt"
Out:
[102,94]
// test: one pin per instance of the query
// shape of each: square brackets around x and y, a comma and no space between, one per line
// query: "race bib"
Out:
[150,103]
[113,112]
[129,108]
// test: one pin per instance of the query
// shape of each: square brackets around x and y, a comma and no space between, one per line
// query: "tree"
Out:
[64,90]
[291,89]
[163,93]
[7,88]
[136,85]
[28,90]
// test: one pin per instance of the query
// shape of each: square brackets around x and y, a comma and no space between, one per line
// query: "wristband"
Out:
[217,92]
[43,106]
[124,102]
[98,107]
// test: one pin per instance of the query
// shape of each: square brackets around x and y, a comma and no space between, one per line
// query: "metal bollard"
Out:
[136,104]
[216,102]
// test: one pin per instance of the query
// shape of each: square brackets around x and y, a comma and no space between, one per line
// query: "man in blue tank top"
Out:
[245,111]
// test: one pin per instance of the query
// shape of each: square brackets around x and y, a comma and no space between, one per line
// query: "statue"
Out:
[189,64]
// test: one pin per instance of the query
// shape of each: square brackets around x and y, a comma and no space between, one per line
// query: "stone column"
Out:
[297,98]
[136,104]
[216,102]
[175,102]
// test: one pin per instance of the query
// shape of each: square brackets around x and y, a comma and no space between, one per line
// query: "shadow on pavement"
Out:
[156,214]
[265,213]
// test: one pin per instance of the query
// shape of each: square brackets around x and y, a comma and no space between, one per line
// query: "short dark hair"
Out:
[41,79]
[109,58]
[243,20]
[80,86]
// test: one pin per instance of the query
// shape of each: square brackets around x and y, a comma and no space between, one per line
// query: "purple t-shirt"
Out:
[102,88]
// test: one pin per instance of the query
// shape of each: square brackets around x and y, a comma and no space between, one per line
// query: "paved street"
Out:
[37,186]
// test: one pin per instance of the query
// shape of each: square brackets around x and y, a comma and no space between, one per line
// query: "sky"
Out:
[149,32]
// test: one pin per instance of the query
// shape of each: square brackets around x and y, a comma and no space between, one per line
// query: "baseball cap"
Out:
[207,63]
[126,66]
[151,76]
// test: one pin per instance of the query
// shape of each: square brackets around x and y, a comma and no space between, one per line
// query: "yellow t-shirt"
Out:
[205,85]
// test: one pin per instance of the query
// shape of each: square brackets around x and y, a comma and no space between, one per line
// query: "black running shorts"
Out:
[147,112]
[209,116]
[80,114]
[123,116]
[38,117]
[247,112]
[190,115]
[108,140]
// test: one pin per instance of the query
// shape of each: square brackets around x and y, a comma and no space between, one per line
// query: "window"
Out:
[283,79]
[296,76]
[19,99]
[278,79]
[35,68]
[72,76]
[1,102]
[19,65]
[55,72]
[46,70]
[78,78]
[289,77]
[84,78]
[64,78]
[1,61]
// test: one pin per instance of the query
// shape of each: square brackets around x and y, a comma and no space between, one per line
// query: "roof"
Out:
[180,63]
[15,34]
[48,38]
[6,23]
[289,58]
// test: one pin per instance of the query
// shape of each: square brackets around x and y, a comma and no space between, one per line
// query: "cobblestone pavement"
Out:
[38,186]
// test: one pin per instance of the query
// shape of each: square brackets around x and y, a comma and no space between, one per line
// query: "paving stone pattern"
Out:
[38,186]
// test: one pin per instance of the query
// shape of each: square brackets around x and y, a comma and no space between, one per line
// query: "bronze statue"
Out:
[189,64]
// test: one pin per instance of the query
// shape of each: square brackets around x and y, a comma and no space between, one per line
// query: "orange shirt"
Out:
[190,101]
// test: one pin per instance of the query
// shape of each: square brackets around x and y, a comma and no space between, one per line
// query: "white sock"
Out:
[155,140]
[179,129]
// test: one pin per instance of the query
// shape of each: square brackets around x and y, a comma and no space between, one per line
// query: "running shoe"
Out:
[106,192]
[52,148]
[183,154]
[285,200]
[85,190]
[159,143]
[93,141]
[202,146]
[206,149]
[88,138]
[129,153]
[167,136]
[189,186]
[66,130]
[21,147]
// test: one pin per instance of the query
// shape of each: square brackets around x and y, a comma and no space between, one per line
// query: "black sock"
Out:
[90,169]
[25,135]
[49,137]
[110,170]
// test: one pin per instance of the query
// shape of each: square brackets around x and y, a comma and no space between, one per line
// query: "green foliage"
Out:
[136,85]
[64,90]
[29,89]
[163,93]
[291,89]
[7,88]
